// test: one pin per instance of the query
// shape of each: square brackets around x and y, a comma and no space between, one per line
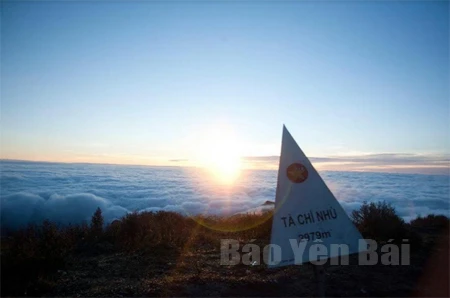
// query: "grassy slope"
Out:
[198,273]
[169,255]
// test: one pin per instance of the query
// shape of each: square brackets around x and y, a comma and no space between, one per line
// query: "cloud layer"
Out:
[19,209]
[386,162]
[70,193]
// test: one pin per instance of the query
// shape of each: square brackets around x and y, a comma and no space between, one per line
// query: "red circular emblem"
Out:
[297,173]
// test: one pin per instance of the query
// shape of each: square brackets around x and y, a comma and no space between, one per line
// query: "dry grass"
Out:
[167,254]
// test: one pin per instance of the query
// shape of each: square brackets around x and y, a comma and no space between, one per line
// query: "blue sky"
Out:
[142,82]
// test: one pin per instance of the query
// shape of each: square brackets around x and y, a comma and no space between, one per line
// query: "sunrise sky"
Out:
[361,85]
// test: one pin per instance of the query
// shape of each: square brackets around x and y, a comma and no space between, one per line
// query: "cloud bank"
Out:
[70,193]
[19,209]
[386,162]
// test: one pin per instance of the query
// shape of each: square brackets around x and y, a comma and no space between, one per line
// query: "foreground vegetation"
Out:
[167,254]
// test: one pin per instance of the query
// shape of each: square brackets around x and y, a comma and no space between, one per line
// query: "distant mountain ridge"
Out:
[268,203]
[264,207]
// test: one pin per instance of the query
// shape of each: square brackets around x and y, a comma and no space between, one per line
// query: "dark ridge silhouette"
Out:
[268,203]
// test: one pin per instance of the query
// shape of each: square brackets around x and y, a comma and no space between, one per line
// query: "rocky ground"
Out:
[199,273]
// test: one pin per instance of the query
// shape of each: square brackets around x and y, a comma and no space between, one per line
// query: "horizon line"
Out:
[370,170]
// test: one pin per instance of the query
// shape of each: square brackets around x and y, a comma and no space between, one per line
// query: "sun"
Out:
[218,152]
[224,165]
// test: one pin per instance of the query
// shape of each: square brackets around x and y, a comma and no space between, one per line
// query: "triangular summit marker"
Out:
[307,213]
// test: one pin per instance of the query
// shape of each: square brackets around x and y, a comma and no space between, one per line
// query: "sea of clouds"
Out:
[70,193]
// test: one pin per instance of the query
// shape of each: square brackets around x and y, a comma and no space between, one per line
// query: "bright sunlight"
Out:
[218,152]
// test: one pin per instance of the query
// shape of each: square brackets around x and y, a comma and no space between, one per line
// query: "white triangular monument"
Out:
[307,213]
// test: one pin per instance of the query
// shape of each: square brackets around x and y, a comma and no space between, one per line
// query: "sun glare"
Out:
[226,167]
[218,153]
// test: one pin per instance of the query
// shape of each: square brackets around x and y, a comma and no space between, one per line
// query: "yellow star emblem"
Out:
[297,173]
